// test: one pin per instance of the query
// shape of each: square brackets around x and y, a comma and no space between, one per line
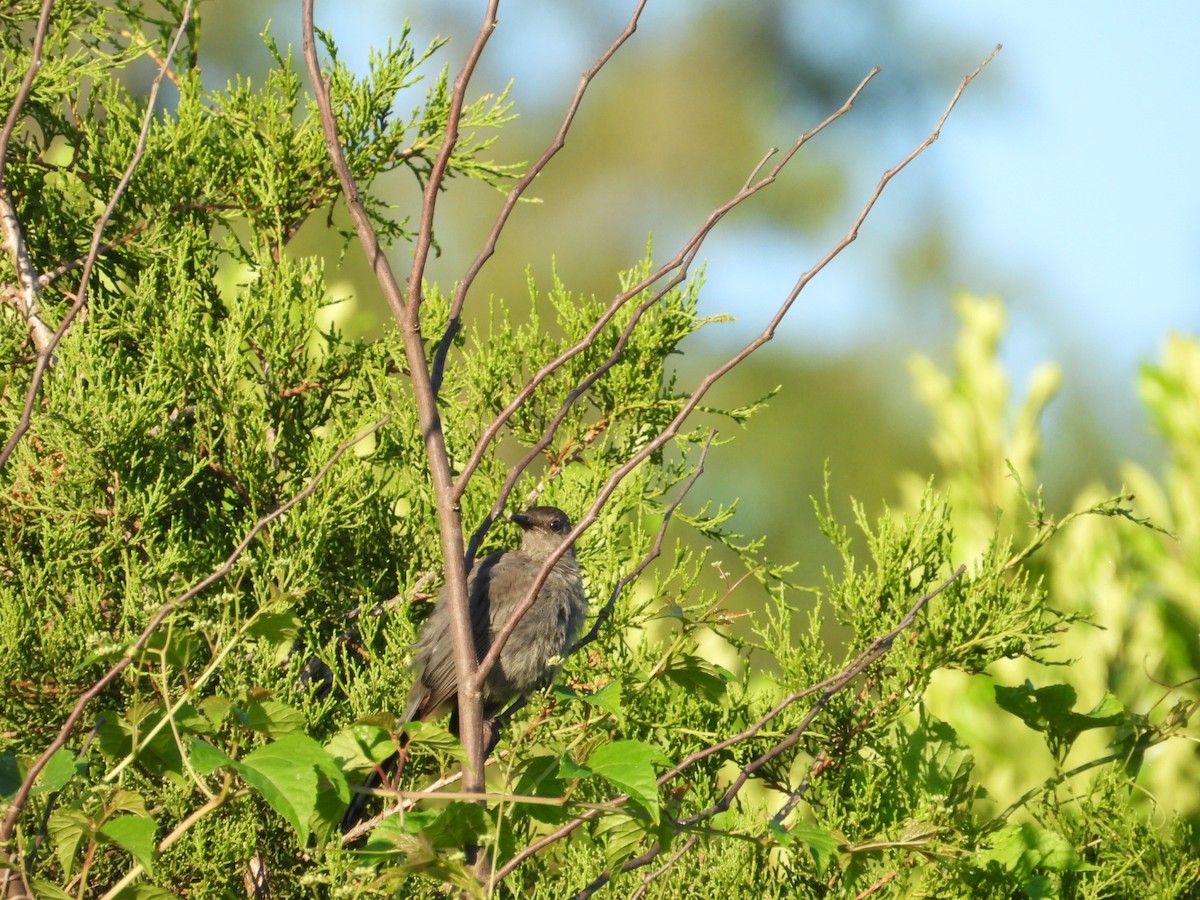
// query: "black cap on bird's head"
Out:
[545,518]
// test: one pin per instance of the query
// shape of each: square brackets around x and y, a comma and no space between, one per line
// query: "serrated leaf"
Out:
[128,801]
[277,632]
[540,779]
[272,718]
[935,758]
[458,825]
[607,698]
[1023,849]
[216,709]
[135,834]
[699,676]
[68,828]
[822,843]
[285,773]
[1050,710]
[361,746]
[45,890]
[568,768]
[621,837]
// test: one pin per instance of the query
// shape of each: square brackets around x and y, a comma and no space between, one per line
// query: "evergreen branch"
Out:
[828,688]
[21,797]
[46,354]
[407,312]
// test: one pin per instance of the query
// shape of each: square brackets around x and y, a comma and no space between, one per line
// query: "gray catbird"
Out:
[496,585]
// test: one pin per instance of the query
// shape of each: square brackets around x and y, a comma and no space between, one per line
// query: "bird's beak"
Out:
[521,519]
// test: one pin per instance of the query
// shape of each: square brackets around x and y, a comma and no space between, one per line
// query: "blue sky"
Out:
[1089,168]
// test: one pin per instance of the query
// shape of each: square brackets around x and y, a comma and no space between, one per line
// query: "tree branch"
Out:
[510,202]
[26,299]
[680,265]
[674,427]
[22,795]
[407,312]
[46,354]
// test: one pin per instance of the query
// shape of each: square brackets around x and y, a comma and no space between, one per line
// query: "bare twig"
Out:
[766,335]
[22,795]
[679,265]
[46,354]
[662,870]
[25,299]
[655,551]
[514,195]
[407,312]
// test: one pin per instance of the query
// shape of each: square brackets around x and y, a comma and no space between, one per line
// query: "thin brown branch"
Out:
[26,299]
[651,877]
[679,264]
[19,800]
[655,551]
[514,196]
[698,394]
[407,312]
[46,354]
[438,171]
[376,256]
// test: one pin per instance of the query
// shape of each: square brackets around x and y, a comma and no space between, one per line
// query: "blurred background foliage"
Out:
[669,131]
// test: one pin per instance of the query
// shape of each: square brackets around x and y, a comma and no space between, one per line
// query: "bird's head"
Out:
[544,528]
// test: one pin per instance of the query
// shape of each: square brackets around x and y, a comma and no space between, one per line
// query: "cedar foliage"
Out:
[209,382]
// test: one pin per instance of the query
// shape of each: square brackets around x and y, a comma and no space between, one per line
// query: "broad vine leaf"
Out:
[133,833]
[285,773]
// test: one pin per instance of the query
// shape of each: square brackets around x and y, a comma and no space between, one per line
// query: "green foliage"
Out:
[199,394]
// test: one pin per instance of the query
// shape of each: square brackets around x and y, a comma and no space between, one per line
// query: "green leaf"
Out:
[821,842]
[1049,710]
[277,632]
[69,828]
[58,771]
[629,766]
[607,698]
[699,676]
[45,890]
[10,774]
[285,773]
[934,758]
[206,758]
[272,718]
[145,891]
[1022,849]
[361,746]
[458,825]
[621,836]
[540,780]
[135,834]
